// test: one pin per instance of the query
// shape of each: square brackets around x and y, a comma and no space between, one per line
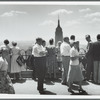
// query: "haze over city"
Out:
[27,22]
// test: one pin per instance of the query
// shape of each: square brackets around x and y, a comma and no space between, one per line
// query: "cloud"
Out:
[12,13]
[94,20]
[49,22]
[72,22]
[96,14]
[60,11]
[84,10]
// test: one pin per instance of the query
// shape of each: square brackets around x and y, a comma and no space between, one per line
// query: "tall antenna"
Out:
[58,21]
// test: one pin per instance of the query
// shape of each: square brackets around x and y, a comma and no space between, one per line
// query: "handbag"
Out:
[20,60]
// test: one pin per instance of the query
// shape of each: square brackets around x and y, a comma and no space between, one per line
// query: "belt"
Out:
[65,56]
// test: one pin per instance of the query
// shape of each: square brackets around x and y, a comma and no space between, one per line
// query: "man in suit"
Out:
[96,60]
[89,69]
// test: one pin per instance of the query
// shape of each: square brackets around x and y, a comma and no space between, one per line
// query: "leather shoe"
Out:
[70,90]
[42,92]
[63,83]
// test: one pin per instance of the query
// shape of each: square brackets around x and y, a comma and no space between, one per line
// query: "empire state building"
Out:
[58,33]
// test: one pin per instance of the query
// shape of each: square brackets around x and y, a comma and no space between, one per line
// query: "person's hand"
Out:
[41,53]
[80,56]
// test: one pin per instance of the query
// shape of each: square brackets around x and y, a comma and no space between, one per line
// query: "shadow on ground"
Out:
[52,81]
[19,81]
[49,93]
[76,91]
[81,93]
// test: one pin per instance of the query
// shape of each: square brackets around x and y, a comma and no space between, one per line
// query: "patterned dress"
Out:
[6,86]
[59,58]
[51,60]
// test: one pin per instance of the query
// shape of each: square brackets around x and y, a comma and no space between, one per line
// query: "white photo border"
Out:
[16,96]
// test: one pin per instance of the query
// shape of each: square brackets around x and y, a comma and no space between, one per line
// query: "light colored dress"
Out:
[15,68]
[6,86]
[75,72]
[59,57]
[6,54]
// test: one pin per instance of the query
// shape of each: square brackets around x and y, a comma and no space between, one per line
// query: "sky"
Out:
[27,22]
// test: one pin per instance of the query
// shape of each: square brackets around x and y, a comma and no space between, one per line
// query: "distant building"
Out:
[58,33]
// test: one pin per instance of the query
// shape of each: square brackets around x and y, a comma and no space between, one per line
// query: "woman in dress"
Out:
[51,59]
[6,53]
[5,81]
[15,68]
[59,57]
[74,73]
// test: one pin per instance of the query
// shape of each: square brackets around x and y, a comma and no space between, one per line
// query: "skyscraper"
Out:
[58,33]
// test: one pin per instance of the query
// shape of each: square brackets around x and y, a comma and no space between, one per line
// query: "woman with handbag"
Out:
[15,67]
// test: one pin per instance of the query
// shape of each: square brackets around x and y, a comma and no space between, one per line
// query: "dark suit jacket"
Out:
[96,51]
[89,51]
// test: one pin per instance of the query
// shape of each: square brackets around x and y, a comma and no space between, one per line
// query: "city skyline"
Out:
[27,22]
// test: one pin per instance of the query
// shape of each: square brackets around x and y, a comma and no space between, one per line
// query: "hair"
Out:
[14,43]
[87,36]
[38,39]
[51,41]
[6,41]
[72,37]
[43,41]
[59,42]
[66,38]
[76,42]
[98,36]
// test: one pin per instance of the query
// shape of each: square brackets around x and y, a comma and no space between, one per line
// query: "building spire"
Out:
[58,21]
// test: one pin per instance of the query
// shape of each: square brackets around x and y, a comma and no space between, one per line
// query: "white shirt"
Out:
[71,42]
[44,49]
[65,49]
[37,49]
[73,53]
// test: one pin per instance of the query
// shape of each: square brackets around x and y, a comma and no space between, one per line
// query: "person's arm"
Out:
[73,55]
[1,64]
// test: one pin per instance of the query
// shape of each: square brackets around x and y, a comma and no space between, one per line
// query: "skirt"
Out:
[74,74]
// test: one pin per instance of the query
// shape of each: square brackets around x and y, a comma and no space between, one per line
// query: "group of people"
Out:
[50,59]
[66,57]
[93,59]
[8,66]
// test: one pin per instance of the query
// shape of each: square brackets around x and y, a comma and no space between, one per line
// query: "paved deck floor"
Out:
[54,87]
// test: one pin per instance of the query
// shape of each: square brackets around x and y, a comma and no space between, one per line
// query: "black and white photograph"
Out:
[49,48]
